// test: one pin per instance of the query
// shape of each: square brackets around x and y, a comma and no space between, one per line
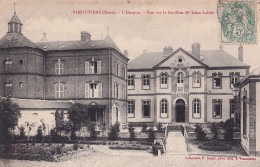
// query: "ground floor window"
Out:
[217,108]
[164,108]
[146,108]
[232,109]
[196,108]
[131,108]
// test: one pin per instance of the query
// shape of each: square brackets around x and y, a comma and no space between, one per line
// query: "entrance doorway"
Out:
[180,110]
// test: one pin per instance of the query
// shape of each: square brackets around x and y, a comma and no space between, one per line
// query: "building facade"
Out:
[249,107]
[183,87]
[92,72]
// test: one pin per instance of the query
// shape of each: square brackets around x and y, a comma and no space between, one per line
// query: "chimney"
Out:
[126,53]
[167,50]
[240,53]
[85,36]
[195,50]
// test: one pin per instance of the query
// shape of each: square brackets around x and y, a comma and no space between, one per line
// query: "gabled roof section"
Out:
[15,19]
[178,50]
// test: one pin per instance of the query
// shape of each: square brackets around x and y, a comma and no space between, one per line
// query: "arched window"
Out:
[164,108]
[196,80]
[164,80]
[196,108]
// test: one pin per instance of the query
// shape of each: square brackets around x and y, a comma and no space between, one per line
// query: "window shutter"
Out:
[100,90]
[86,90]
[86,67]
[99,67]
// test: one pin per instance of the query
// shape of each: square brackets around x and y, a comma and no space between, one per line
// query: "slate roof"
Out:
[15,40]
[15,19]
[212,58]
[42,104]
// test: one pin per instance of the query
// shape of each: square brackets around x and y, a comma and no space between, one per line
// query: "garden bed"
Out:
[130,146]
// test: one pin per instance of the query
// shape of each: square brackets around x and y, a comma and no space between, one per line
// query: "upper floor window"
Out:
[124,73]
[164,108]
[59,90]
[217,80]
[164,80]
[196,80]
[146,81]
[59,67]
[131,82]
[117,69]
[180,77]
[93,67]
[131,108]
[146,108]
[21,62]
[116,91]
[234,78]
[93,90]
[217,108]
[196,108]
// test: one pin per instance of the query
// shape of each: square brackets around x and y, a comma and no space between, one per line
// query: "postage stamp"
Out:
[238,22]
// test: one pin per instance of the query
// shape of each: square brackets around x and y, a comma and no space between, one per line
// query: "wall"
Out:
[257,117]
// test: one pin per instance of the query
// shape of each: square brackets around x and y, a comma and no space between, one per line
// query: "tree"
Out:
[22,133]
[113,134]
[43,126]
[39,135]
[9,115]
[78,115]
[200,133]
[151,135]
[131,130]
[30,126]
[228,129]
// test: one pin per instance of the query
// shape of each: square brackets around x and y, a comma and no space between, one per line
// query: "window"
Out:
[164,80]
[196,80]
[164,108]
[117,69]
[93,90]
[244,115]
[217,79]
[131,108]
[21,84]
[234,78]
[146,108]
[93,67]
[146,81]
[180,77]
[131,82]
[232,108]
[124,73]
[116,92]
[217,108]
[196,108]
[59,90]
[8,62]
[59,67]
[21,62]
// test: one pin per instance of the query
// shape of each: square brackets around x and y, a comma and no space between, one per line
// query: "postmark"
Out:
[238,22]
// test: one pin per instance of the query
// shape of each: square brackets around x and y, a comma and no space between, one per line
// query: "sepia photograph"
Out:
[130,83]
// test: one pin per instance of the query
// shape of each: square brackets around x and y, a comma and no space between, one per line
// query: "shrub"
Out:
[58,149]
[39,135]
[75,146]
[63,144]
[131,132]
[54,135]
[22,133]
[214,130]
[228,129]
[151,135]
[53,151]
[93,133]
[113,134]
[144,127]
[182,129]
[200,133]
[159,126]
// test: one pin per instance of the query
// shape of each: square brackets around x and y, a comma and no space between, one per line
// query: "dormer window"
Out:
[8,62]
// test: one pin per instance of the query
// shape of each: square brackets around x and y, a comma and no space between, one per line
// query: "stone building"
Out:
[249,106]
[92,72]
[183,86]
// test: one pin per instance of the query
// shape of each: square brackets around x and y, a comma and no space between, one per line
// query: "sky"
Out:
[136,33]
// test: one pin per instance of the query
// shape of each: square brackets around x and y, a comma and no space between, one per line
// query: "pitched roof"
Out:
[212,58]
[12,40]
[42,104]
[15,19]
[109,40]
[73,45]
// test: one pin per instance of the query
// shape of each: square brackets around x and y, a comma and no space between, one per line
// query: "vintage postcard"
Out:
[129,83]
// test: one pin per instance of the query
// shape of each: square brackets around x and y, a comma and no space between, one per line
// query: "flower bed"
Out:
[130,146]
[38,152]
[213,145]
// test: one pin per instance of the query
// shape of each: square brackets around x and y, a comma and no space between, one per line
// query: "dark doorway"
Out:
[180,110]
